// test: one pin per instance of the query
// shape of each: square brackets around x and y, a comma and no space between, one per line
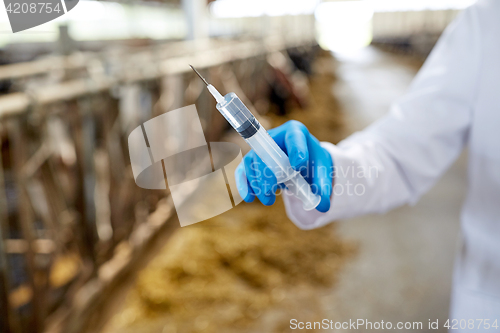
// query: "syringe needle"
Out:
[218,97]
[201,77]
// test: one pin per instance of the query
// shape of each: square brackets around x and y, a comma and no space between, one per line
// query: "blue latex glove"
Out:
[306,155]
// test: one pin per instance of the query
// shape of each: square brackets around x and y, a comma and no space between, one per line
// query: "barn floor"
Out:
[395,267]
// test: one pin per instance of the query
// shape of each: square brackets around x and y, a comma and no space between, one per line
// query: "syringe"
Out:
[244,122]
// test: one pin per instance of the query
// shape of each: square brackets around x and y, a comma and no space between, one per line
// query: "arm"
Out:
[398,158]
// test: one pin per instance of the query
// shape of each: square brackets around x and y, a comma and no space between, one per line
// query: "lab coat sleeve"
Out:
[398,158]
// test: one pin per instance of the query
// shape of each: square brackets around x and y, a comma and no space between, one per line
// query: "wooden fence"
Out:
[72,220]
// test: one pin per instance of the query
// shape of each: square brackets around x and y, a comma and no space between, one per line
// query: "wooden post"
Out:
[195,12]
[19,151]
[86,158]
[5,311]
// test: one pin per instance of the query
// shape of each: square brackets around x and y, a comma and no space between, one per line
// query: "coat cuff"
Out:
[343,197]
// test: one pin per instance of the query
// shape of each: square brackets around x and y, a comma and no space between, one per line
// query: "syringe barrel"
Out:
[238,115]
[244,122]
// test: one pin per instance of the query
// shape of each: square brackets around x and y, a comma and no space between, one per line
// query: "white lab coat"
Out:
[453,102]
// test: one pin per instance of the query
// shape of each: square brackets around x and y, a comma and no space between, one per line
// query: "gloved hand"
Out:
[306,155]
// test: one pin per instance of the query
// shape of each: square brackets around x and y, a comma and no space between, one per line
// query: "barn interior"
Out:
[83,248]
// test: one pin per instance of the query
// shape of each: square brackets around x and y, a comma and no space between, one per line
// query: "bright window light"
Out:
[103,20]
[255,8]
[91,11]
[419,5]
[344,26]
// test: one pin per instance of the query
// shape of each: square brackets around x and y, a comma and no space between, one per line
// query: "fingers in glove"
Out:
[261,179]
[321,175]
[242,184]
[292,138]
